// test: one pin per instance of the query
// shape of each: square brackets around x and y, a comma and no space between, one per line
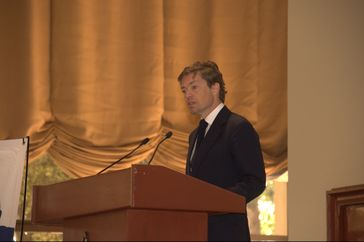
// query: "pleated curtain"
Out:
[87,80]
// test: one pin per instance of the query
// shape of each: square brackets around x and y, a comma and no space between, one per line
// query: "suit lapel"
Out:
[210,139]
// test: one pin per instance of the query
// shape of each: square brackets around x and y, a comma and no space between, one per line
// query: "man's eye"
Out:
[194,87]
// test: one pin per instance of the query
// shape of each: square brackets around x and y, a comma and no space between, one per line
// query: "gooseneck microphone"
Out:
[167,136]
[144,141]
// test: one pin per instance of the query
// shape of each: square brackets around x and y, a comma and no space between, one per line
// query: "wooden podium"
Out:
[138,203]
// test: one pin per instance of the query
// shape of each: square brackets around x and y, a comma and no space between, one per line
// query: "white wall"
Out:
[325,108]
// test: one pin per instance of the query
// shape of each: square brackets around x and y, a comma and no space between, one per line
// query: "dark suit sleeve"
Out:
[247,156]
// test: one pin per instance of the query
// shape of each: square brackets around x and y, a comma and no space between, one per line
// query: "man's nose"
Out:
[187,94]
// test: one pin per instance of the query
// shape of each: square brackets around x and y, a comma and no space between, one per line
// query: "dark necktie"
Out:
[199,137]
[201,132]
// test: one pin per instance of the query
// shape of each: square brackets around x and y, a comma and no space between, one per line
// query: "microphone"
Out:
[144,141]
[167,136]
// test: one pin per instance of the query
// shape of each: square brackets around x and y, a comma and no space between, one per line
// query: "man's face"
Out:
[200,98]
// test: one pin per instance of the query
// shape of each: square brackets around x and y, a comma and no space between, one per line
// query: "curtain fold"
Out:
[89,79]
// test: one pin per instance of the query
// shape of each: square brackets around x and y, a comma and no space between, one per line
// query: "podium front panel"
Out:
[137,225]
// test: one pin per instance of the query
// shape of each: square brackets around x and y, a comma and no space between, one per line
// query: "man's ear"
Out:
[215,88]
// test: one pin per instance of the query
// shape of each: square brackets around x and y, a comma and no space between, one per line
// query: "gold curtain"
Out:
[89,79]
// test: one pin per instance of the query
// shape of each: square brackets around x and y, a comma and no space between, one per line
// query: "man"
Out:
[224,150]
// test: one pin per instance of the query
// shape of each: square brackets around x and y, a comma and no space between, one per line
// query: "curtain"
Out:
[88,80]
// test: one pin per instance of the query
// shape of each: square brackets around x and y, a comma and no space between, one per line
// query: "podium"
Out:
[139,203]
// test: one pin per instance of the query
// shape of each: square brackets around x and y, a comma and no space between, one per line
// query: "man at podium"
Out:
[224,150]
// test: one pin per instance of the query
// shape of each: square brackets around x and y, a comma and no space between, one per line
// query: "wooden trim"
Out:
[29,227]
[338,199]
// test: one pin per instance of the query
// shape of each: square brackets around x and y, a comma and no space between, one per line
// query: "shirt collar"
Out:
[211,117]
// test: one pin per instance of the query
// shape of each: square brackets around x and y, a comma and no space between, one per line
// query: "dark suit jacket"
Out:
[229,157]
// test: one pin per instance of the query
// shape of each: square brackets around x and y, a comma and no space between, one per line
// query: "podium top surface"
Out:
[140,187]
